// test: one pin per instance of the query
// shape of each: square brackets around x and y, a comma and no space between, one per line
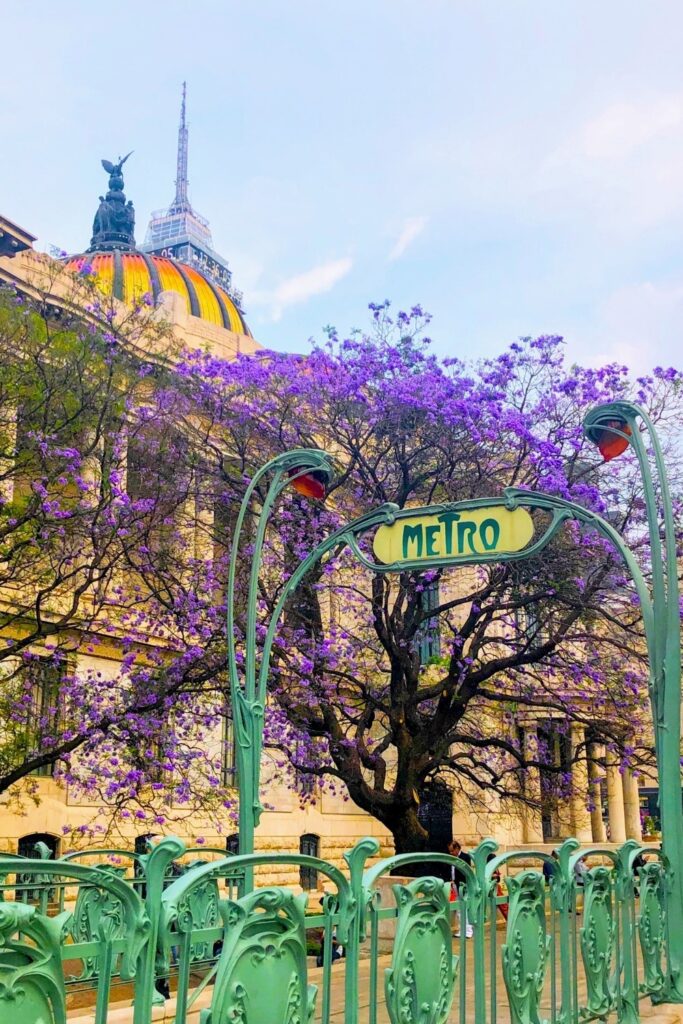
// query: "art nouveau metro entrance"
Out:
[202,926]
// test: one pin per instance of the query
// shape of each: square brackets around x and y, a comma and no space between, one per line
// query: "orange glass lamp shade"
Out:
[611,444]
[310,485]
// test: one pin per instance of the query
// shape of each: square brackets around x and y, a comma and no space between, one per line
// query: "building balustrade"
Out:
[106,935]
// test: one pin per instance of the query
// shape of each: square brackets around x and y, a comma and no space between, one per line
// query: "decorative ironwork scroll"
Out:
[652,927]
[31,975]
[597,942]
[98,914]
[204,911]
[525,952]
[262,968]
[419,984]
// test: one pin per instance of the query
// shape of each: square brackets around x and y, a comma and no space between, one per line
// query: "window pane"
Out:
[44,677]
[309,846]
[428,636]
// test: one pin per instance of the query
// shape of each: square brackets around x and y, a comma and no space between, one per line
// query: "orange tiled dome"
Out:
[130,275]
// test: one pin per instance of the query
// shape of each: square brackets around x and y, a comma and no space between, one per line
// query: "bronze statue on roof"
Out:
[114,224]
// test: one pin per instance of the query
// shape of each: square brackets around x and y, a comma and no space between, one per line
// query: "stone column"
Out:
[631,806]
[532,823]
[580,815]
[595,773]
[615,801]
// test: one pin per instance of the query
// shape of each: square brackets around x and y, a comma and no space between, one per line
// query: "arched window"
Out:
[309,845]
[143,846]
[143,842]
[37,846]
[26,846]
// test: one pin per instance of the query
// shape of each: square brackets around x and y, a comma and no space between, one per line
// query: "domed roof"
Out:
[128,275]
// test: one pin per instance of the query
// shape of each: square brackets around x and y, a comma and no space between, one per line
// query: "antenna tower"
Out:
[180,233]
[181,202]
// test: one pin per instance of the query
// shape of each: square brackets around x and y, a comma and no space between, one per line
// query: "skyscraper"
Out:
[182,234]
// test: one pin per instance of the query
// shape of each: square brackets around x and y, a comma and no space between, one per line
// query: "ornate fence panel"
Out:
[421,979]
[530,938]
[97,908]
[419,983]
[652,926]
[598,942]
[261,968]
[35,946]
[262,972]
[525,952]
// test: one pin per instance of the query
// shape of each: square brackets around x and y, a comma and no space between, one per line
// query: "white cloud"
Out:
[618,167]
[301,287]
[640,325]
[622,128]
[622,167]
[317,281]
[413,227]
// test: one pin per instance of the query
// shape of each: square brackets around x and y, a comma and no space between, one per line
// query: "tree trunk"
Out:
[410,836]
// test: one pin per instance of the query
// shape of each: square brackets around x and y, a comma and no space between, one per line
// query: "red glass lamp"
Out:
[311,485]
[611,444]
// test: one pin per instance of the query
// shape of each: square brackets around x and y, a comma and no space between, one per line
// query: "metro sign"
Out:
[447,535]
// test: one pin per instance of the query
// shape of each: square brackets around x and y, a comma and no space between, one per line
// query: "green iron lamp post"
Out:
[613,428]
[307,470]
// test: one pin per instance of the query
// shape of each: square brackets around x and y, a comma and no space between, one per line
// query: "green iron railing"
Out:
[78,938]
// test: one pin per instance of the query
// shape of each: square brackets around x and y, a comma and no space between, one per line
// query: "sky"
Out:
[514,166]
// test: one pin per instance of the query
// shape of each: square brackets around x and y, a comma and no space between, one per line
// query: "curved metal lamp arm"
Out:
[248,710]
[563,510]
[605,418]
[342,537]
[284,469]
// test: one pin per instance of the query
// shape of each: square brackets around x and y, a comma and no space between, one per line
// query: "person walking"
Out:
[455,849]
[548,870]
[638,864]
[581,871]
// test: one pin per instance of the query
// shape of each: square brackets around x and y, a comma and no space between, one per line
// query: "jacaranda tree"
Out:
[103,647]
[363,697]
[123,464]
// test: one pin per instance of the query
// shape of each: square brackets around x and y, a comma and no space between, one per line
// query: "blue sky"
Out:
[514,166]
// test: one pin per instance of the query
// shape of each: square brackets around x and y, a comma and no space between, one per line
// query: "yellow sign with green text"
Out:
[448,534]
